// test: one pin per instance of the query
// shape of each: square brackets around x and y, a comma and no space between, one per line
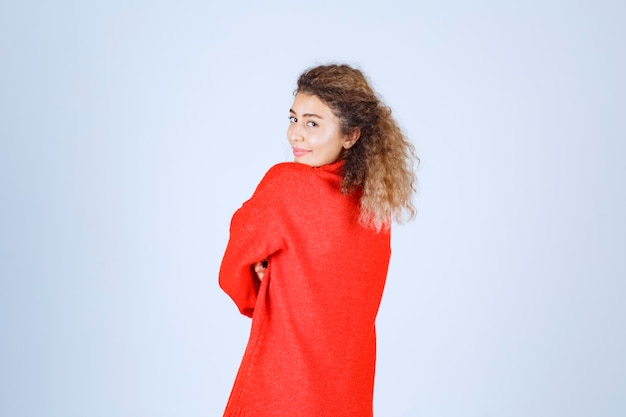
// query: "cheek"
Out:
[289,131]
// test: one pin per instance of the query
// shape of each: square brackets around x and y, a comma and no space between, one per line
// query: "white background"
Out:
[131,131]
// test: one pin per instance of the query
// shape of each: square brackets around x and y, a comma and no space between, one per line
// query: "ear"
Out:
[351,137]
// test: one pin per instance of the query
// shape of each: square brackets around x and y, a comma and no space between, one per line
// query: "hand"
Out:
[260,268]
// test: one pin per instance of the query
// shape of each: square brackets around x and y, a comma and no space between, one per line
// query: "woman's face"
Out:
[314,133]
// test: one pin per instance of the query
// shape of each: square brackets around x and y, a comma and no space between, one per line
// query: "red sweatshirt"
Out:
[312,346]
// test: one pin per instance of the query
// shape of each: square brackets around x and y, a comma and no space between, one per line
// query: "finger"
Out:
[259,269]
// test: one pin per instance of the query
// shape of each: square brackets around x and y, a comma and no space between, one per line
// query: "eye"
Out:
[311,123]
[292,119]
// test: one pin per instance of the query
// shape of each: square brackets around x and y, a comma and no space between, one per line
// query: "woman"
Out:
[308,254]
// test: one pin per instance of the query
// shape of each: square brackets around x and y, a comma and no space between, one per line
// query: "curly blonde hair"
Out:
[380,165]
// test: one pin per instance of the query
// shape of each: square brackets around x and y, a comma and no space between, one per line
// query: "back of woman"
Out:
[312,344]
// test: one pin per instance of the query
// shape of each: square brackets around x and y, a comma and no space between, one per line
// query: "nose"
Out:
[294,133]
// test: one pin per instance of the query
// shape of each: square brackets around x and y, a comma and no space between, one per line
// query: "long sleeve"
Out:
[255,234]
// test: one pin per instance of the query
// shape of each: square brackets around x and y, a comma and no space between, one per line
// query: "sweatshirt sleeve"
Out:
[256,233]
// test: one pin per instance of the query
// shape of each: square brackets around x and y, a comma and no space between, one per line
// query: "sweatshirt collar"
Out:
[334,168]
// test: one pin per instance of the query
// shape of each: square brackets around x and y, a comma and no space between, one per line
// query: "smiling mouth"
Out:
[300,151]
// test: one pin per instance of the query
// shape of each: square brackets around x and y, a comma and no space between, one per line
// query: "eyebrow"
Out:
[307,114]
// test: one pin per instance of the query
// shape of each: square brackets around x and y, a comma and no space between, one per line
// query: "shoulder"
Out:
[287,168]
[300,178]
[277,179]
[286,173]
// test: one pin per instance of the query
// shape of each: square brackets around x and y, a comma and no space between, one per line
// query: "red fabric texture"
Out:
[312,345]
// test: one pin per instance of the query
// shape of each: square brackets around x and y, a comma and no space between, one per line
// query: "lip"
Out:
[300,151]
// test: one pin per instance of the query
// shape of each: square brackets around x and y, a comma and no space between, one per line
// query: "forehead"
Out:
[310,104]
